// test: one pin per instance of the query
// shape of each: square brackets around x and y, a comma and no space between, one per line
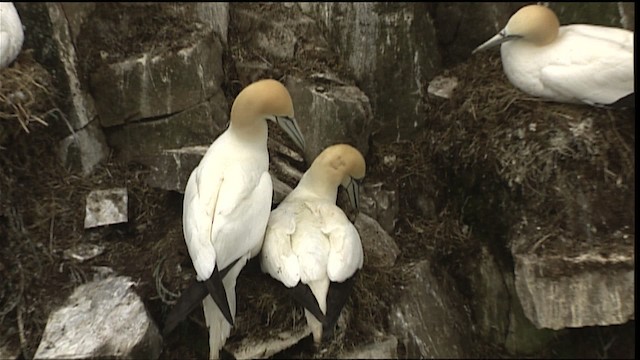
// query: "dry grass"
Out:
[26,97]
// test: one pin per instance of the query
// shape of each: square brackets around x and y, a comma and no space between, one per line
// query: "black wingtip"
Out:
[337,297]
[219,294]
[625,102]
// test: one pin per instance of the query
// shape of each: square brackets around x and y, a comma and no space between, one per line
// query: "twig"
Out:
[23,338]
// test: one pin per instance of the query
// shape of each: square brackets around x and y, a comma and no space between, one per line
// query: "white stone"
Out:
[106,207]
[83,252]
[442,86]
[251,348]
[101,319]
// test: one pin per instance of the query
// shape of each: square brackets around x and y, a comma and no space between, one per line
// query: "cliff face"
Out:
[496,224]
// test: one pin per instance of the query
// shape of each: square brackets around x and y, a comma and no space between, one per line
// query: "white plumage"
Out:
[576,63]
[11,34]
[228,196]
[309,240]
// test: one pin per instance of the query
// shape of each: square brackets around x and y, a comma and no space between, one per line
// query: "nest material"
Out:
[27,96]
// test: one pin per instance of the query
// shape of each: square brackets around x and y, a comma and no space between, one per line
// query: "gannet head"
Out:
[533,23]
[266,99]
[340,164]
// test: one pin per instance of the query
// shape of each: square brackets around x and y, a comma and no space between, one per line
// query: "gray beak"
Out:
[498,39]
[290,126]
[353,190]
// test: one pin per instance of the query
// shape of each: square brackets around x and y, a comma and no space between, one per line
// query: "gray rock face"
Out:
[197,125]
[381,204]
[384,348]
[170,169]
[492,305]
[330,115]
[54,45]
[429,319]
[215,14]
[380,250]
[498,314]
[54,48]
[150,86]
[84,149]
[392,51]
[601,293]
[462,27]
[101,319]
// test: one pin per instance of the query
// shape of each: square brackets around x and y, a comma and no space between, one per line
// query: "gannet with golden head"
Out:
[227,201]
[576,63]
[11,34]
[310,244]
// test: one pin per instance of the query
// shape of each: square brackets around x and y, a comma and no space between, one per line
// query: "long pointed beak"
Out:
[290,126]
[353,190]
[498,39]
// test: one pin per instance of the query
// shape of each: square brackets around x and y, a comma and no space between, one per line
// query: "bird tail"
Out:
[219,327]
[319,289]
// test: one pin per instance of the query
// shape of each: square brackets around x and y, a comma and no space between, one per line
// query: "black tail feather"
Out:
[304,296]
[337,297]
[192,297]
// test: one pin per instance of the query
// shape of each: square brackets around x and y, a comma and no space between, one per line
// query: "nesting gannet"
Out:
[576,63]
[227,202]
[310,244]
[11,34]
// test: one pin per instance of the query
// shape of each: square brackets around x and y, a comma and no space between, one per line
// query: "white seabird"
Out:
[310,244]
[576,63]
[227,202]
[11,34]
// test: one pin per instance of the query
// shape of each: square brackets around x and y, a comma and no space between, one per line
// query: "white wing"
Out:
[226,208]
[197,218]
[277,257]
[346,254]
[595,64]
[241,214]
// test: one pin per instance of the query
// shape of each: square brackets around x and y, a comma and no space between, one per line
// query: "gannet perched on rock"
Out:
[310,244]
[11,34]
[227,202]
[576,63]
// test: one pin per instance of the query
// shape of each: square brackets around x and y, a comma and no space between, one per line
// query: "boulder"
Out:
[590,289]
[430,319]
[380,250]
[328,115]
[101,319]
